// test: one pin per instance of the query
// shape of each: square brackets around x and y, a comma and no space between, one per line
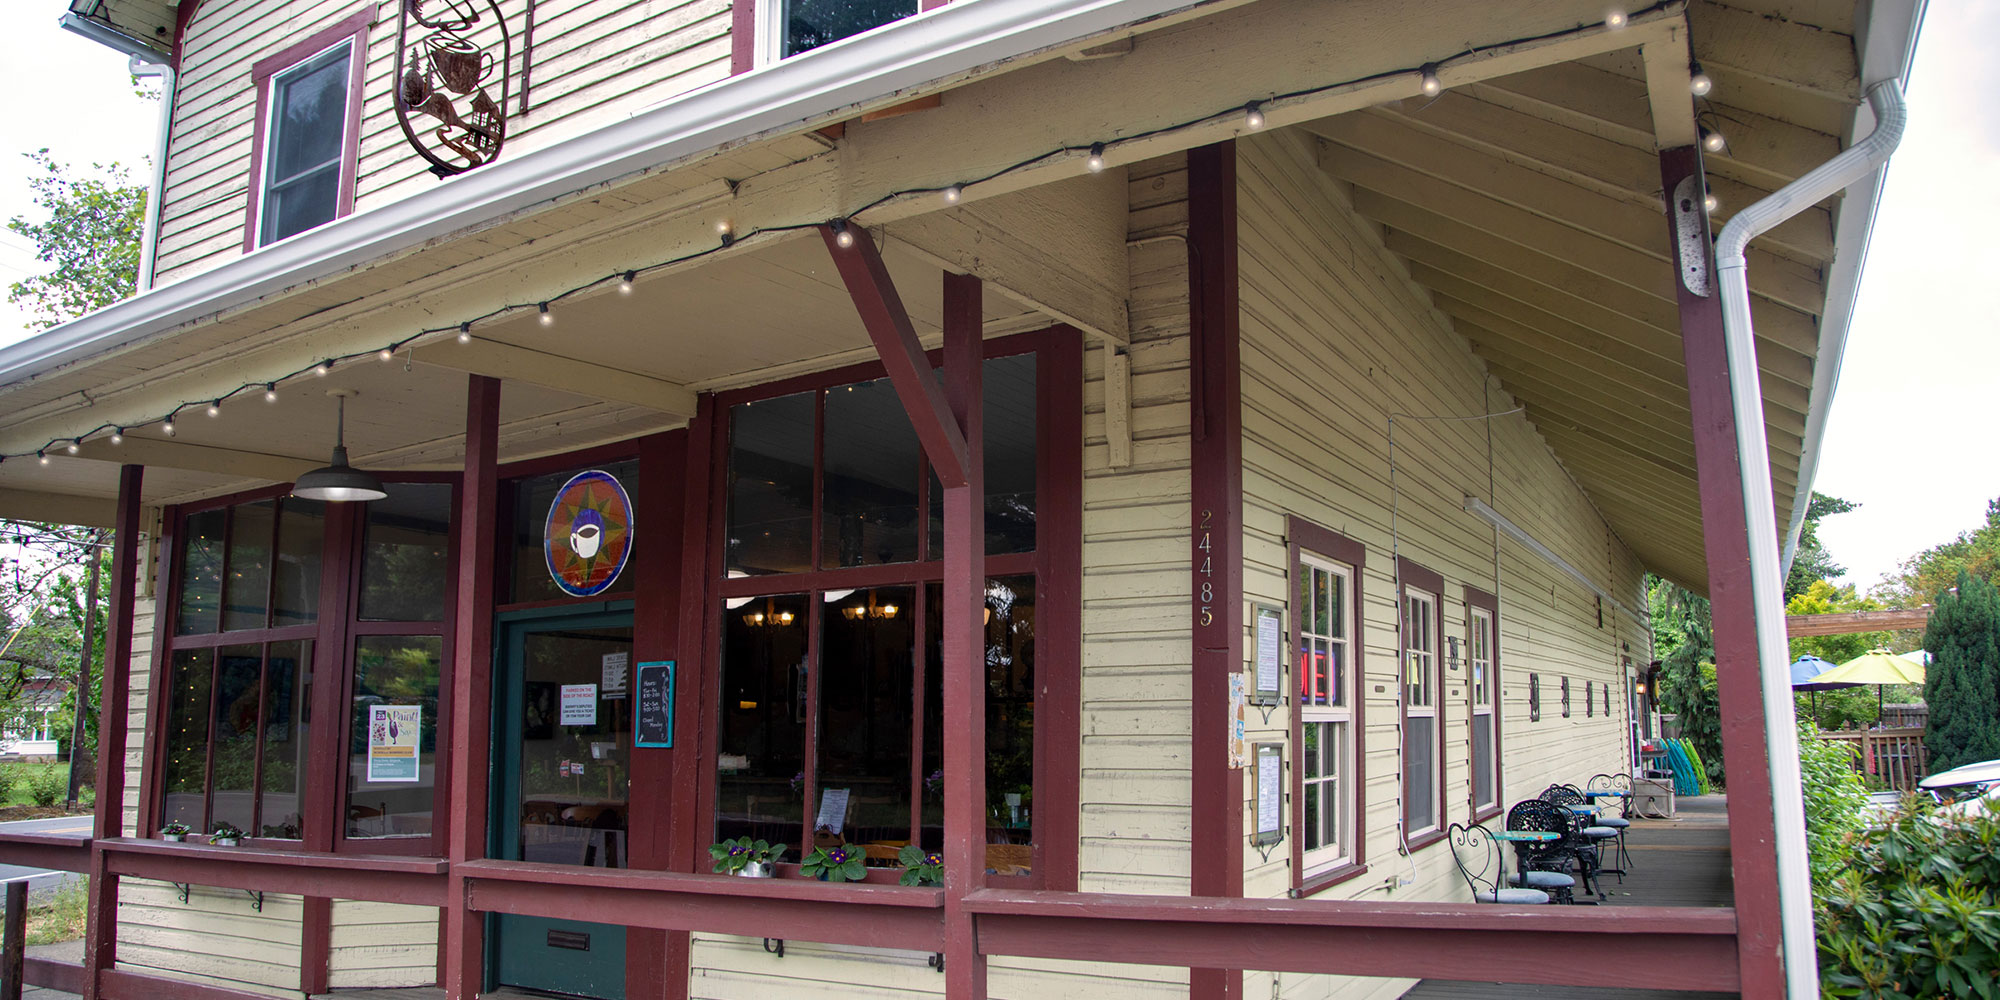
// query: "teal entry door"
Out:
[561,786]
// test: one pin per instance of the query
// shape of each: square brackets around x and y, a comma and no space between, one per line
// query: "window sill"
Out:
[1482,815]
[1423,840]
[1327,879]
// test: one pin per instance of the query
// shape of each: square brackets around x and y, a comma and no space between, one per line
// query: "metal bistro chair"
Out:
[1479,861]
[1608,785]
[1594,823]
[1544,864]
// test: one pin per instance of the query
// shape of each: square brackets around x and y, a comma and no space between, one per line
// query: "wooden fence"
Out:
[1895,756]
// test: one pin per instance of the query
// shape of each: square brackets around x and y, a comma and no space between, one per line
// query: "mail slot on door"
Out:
[573,940]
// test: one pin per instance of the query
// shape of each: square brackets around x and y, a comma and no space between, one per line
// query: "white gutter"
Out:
[1767,577]
[146,61]
[940,44]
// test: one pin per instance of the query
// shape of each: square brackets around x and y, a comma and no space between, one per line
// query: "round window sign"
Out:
[588,537]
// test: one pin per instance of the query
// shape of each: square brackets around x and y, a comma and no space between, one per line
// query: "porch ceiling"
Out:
[1530,207]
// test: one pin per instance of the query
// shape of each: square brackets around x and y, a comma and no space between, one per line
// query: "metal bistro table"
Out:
[1521,837]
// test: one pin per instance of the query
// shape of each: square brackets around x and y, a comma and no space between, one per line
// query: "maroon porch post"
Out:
[1726,537]
[1216,556]
[100,939]
[655,960]
[964,646]
[472,681]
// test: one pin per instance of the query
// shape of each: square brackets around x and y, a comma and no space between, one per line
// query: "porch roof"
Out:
[1526,199]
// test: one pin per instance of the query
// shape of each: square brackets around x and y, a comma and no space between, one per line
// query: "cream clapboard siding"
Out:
[595,61]
[382,944]
[1336,338]
[1135,789]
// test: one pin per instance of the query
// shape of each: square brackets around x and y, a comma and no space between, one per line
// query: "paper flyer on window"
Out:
[392,742]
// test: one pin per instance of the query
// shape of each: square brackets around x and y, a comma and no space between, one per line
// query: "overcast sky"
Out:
[1910,436]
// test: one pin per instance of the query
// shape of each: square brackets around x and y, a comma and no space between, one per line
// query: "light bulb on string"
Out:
[1253,116]
[952,194]
[1431,85]
[118,435]
[841,237]
[322,368]
[548,318]
[167,426]
[1614,19]
[270,392]
[1698,82]
[71,447]
[386,354]
[1096,160]
[1710,202]
[625,283]
[42,456]
[215,408]
[465,333]
[1712,140]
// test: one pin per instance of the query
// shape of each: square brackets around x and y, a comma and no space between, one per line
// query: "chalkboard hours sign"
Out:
[653,712]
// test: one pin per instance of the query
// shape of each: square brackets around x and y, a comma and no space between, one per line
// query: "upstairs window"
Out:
[306,133]
[789,27]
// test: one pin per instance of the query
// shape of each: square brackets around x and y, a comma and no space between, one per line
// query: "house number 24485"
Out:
[1204,573]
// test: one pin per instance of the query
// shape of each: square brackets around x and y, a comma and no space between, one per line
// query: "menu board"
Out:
[1270,769]
[1270,655]
[653,713]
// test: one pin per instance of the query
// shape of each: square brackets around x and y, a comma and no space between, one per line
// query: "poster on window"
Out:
[579,705]
[392,742]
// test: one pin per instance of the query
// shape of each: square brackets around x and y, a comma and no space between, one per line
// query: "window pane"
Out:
[813,23]
[1314,837]
[1010,719]
[1008,422]
[309,115]
[201,573]
[871,464]
[403,554]
[249,583]
[575,777]
[393,670]
[1482,759]
[186,741]
[865,686]
[238,688]
[301,531]
[532,499]
[312,200]
[1420,739]
[287,692]
[761,750]
[771,486]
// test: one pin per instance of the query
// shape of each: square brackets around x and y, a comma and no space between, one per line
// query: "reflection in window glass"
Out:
[871,464]
[185,744]
[1008,425]
[238,671]
[308,125]
[771,486]
[301,529]
[810,24]
[249,584]
[287,692]
[1010,721]
[866,642]
[575,777]
[403,554]
[761,754]
[532,499]
[393,670]
[201,573]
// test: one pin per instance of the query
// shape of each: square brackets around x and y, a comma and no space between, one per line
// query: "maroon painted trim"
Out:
[472,677]
[742,36]
[1412,574]
[1216,475]
[867,371]
[1679,948]
[881,307]
[183,17]
[1303,536]
[55,852]
[963,644]
[101,914]
[1059,599]
[67,977]
[1477,598]
[354,26]
[654,970]
[127,983]
[582,458]
[1725,537]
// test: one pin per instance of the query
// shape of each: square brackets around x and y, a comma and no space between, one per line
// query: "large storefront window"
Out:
[831,682]
[254,629]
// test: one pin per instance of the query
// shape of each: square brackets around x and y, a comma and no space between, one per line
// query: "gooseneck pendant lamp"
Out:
[339,481]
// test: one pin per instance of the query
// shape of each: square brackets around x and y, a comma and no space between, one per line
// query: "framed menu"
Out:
[1268,772]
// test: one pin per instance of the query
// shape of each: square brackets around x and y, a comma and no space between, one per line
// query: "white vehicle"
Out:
[1968,781]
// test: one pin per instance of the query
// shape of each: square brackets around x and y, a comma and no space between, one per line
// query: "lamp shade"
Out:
[339,481]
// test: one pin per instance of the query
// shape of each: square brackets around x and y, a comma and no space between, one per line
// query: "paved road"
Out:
[39,879]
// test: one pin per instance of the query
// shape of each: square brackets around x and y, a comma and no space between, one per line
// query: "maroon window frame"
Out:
[353,27]
[1305,536]
[743,31]
[1476,598]
[323,788]
[1409,574]
[1056,564]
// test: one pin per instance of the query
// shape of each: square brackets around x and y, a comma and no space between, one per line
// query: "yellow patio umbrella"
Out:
[1877,667]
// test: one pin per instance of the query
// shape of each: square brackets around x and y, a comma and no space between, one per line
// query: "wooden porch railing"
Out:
[1896,756]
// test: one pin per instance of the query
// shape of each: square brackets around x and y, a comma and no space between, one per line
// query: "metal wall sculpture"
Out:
[443,74]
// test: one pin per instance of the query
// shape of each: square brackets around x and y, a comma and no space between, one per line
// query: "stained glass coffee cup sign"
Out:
[588,536]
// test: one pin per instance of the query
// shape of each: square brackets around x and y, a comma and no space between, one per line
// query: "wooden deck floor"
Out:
[1679,862]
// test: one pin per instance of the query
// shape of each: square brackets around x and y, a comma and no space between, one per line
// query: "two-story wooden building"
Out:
[914,423]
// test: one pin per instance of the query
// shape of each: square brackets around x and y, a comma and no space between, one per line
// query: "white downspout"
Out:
[1767,577]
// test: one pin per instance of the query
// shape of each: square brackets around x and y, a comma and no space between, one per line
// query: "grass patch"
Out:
[60,915]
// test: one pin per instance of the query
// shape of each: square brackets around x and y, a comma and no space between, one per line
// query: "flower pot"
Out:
[173,838]
[758,869]
[223,841]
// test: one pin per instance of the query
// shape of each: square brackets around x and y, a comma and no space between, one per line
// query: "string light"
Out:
[1711,202]
[42,457]
[71,447]
[548,318]
[1253,116]
[1711,140]
[624,286]
[386,354]
[951,194]
[1698,82]
[1095,162]
[167,425]
[841,236]
[215,408]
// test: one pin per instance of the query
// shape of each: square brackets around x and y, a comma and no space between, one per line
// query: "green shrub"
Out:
[1834,797]
[10,776]
[1917,912]
[48,785]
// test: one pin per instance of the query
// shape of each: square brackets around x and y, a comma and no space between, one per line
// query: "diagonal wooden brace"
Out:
[868,283]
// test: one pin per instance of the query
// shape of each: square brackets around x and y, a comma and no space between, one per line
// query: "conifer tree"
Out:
[1962,686]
